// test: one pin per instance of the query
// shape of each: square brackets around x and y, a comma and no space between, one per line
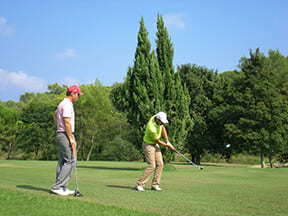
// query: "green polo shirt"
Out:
[153,132]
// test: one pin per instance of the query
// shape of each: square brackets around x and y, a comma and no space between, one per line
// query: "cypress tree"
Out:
[136,92]
[155,85]
[165,52]
[152,86]
[176,97]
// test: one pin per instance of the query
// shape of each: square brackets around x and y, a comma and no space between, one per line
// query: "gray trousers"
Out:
[66,162]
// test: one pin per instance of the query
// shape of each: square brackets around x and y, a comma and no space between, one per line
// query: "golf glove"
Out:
[168,143]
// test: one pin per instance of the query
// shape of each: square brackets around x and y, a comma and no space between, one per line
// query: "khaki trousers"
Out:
[153,157]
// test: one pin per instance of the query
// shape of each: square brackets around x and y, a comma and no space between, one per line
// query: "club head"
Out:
[78,194]
[200,168]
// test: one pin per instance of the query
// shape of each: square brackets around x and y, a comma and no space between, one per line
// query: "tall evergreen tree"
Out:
[176,97]
[152,86]
[136,97]
[165,53]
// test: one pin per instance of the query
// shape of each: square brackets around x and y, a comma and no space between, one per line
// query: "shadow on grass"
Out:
[30,187]
[111,168]
[121,187]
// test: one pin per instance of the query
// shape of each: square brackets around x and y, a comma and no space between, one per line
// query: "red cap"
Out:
[75,88]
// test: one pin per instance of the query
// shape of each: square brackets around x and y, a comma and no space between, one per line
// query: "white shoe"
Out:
[139,188]
[68,191]
[60,192]
[157,188]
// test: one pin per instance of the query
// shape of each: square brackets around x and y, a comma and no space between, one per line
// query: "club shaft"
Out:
[76,178]
[187,159]
[75,157]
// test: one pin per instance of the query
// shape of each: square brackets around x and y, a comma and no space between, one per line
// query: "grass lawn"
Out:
[108,189]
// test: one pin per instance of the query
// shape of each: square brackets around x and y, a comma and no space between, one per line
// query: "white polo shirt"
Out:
[65,110]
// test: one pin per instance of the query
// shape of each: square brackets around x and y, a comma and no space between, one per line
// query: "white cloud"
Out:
[5,30]
[20,81]
[67,54]
[175,20]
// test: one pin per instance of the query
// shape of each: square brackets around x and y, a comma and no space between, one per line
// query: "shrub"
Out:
[121,150]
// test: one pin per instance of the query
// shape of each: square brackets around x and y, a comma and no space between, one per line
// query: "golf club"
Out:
[77,193]
[200,168]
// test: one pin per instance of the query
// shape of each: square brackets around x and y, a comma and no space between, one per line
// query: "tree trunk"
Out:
[9,151]
[80,142]
[92,145]
[270,161]
[262,159]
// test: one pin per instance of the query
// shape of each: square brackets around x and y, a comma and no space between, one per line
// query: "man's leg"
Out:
[149,151]
[159,167]
[66,163]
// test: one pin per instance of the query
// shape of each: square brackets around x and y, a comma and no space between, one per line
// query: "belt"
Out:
[64,132]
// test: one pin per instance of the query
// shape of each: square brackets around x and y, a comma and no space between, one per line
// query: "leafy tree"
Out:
[18,106]
[38,134]
[57,89]
[279,64]
[262,114]
[27,97]
[121,149]
[202,85]
[9,127]
[93,120]
[231,76]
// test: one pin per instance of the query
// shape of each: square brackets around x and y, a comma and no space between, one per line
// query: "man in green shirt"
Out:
[151,141]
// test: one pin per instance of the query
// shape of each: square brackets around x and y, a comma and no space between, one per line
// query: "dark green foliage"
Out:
[260,125]
[57,89]
[141,94]
[9,128]
[121,150]
[176,97]
[37,137]
[152,86]
[93,120]
[98,125]
[139,109]
[279,65]
[203,86]
[231,76]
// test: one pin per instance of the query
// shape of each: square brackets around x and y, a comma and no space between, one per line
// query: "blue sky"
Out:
[77,42]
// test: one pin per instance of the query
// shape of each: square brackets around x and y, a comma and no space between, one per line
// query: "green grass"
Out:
[108,189]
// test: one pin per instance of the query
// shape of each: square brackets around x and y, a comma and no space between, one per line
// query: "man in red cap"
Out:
[64,118]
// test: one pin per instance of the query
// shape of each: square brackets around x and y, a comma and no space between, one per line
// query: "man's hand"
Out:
[170,146]
[73,143]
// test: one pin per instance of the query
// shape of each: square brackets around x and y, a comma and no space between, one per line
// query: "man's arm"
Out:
[164,134]
[68,130]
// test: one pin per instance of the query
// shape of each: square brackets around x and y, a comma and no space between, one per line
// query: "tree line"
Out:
[246,108]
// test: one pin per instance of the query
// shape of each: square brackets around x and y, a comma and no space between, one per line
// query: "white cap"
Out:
[162,117]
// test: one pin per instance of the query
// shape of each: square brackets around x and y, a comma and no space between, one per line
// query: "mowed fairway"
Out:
[108,189]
